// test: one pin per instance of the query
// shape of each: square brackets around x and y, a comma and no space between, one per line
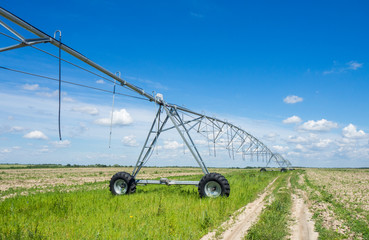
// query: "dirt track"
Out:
[301,226]
[237,228]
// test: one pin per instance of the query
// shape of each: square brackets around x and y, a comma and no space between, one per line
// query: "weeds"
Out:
[153,212]
[358,227]
[273,220]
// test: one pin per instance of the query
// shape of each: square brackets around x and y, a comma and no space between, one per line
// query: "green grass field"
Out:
[273,221]
[153,212]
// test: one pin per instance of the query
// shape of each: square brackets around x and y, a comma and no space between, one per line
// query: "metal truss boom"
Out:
[216,131]
[11,17]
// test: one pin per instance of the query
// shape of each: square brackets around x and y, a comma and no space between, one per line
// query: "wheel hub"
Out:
[213,189]
[120,186]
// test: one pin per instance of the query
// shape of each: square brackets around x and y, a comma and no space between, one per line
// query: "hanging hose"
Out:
[60,138]
[112,110]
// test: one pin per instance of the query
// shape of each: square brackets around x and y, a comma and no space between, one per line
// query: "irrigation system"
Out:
[169,116]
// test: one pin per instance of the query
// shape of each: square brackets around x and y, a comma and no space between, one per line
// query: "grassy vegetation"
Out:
[154,212]
[324,233]
[273,220]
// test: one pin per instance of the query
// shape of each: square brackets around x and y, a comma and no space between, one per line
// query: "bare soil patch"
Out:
[349,186]
[329,218]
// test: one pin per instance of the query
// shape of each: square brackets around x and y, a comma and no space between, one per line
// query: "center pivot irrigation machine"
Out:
[168,116]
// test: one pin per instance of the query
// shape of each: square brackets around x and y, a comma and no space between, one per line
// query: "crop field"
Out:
[75,203]
[340,199]
[23,180]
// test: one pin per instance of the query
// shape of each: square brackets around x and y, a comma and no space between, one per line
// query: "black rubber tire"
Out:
[127,178]
[283,169]
[214,177]
[263,170]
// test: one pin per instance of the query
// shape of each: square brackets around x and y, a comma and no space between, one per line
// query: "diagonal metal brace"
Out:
[25,43]
[190,144]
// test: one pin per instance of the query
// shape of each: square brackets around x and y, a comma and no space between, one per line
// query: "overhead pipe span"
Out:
[11,17]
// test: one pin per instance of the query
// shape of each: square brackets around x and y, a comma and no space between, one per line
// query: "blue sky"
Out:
[292,73]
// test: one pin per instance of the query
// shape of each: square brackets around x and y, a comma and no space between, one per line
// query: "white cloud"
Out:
[293,119]
[121,117]
[323,143]
[61,144]
[351,148]
[44,149]
[353,65]
[87,110]
[291,99]
[172,145]
[16,129]
[30,87]
[350,132]
[8,129]
[36,135]
[49,94]
[100,81]
[5,150]
[130,141]
[301,148]
[307,143]
[271,136]
[294,154]
[68,99]
[296,139]
[346,142]
[320,125]
[201,142]
[279,148]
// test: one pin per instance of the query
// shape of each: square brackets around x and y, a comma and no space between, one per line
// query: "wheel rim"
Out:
[213,189]
[120,186]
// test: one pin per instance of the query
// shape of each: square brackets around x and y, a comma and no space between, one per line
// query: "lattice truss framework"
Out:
[169,116]
[217,133]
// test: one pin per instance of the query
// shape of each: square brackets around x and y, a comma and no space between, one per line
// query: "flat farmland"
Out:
[348,187]
[340,201]
[23,180]
[75,203]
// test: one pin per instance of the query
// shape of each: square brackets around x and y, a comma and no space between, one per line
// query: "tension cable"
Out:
[60,138]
